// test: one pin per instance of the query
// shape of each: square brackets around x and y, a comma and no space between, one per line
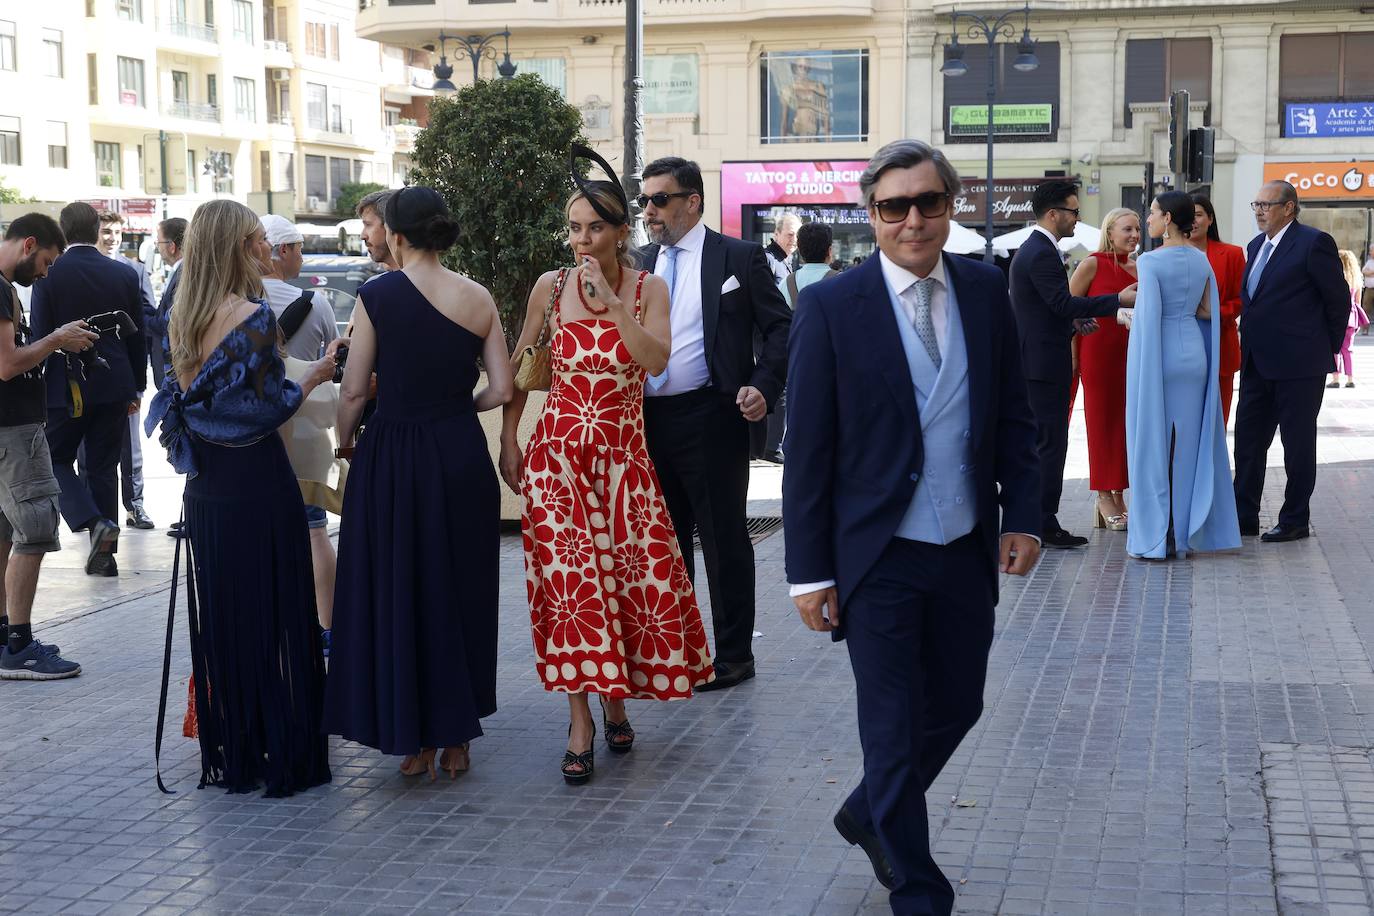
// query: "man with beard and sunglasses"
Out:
[28,489]
[697,412]
[1045,314]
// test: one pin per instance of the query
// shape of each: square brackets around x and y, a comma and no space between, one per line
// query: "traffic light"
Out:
[1201,154]
[1178,132]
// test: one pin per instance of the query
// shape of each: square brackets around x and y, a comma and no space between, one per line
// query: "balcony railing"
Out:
[183,29]
[402,136]
[191,111]
[273,44]
[280,117]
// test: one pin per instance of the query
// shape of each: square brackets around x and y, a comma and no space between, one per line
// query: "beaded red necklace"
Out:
[582,296]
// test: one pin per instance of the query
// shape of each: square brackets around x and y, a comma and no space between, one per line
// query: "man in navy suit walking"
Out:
[1294,308]
[908,427]
[93,411]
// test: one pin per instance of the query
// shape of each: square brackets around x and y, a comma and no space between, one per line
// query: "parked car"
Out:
[338,277]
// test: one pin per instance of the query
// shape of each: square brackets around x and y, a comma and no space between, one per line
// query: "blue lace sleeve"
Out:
[240,395]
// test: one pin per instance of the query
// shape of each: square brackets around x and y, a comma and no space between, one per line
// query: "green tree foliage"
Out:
[498,153]
[352,192]
[9,195]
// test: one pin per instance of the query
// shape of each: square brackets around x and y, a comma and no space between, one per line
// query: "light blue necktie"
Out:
[1262,260]
[669,276]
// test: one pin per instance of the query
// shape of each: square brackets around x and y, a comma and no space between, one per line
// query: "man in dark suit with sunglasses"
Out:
[908,429]
[697,413]
[1045,312]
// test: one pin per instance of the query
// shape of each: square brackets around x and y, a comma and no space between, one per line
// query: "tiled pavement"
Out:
[1192,737]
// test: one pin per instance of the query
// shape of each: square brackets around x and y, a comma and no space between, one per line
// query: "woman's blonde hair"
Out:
[1350,266]
[215,266]
[603,192]
[1104,244]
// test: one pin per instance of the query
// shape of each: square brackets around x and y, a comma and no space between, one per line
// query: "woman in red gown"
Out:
[1228,263]
[1102,363]
[612,610]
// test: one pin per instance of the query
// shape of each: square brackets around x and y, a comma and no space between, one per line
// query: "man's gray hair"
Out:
[374,201]
[905,154]
[1287,193]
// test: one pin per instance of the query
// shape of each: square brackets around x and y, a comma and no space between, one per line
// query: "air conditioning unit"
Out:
[281,75]
[313,203]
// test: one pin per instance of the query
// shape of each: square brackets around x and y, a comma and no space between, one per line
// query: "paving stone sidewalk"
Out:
[1187,737]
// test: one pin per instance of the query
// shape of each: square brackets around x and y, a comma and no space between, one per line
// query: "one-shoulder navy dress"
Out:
[413,657]
[255,644]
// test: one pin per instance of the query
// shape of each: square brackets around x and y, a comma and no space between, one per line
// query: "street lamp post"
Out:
[990,29]
[477,48]
[633,164]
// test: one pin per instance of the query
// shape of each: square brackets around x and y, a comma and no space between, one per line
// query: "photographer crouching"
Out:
[28,490]
[90,397]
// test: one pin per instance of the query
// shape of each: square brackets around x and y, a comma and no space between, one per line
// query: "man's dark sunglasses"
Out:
[661,198]
[1073,210]
[931,205]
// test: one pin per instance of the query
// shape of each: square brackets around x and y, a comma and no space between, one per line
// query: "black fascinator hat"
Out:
[588,186]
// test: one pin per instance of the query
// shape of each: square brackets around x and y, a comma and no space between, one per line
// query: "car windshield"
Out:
[338,278]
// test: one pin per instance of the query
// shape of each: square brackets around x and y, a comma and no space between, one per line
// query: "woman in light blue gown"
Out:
[1175,440]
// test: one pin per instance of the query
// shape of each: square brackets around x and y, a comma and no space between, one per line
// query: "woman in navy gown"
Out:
[1175,438]
[413,660]
[255,645]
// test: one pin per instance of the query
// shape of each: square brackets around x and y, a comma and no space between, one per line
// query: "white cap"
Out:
[280,230]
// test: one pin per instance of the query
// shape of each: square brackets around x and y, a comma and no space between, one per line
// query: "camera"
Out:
[340,360]
[81,365]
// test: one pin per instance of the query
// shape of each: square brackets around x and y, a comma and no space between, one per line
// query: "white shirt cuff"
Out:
[1024,535]
[807,588]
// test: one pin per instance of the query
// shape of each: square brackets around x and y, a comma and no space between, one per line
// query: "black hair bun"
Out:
[421,215]
[442,231]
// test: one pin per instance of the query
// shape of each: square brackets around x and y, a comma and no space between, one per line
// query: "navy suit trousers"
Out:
[919,629]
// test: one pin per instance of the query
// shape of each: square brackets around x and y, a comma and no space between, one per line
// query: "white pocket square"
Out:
[730,286]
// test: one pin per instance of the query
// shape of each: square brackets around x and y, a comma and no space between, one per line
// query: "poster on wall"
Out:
[778,183]
[670,84]
[814,96]
[1328,119]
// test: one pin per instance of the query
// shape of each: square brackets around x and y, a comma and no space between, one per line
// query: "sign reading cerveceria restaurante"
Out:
[1008,120]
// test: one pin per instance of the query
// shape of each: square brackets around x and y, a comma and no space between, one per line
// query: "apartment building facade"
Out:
[782,101]
[274,102]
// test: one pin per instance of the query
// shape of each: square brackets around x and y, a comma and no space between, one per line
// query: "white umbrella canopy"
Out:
[1084,236]
[963,240]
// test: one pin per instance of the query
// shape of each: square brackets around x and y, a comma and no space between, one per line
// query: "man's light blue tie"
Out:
[918,295]
[669,276]
[1262,260]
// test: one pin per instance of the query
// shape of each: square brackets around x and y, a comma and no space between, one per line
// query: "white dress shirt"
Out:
[1048,234]
[687,369]
[899,279]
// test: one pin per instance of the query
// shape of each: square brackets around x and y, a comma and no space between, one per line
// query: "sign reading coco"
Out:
[1325,180]
[780,183]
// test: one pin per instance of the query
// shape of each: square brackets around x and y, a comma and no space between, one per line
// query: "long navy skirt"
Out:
[255,643]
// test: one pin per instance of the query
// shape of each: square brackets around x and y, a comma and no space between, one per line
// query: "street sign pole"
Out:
[162,152]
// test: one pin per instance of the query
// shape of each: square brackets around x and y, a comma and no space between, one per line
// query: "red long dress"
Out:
[1228,263]
[1102,363]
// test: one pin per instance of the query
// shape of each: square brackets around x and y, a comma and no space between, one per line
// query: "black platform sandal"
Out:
[586,761]
[620,736]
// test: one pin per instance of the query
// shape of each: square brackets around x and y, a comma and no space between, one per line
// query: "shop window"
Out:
[1156,67]
[1027,105]
[814,96]
[670,84]
[107,164]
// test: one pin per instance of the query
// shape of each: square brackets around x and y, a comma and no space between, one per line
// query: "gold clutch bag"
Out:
[535,372]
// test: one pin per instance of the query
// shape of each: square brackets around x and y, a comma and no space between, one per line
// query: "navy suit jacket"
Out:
[854,450]
[1295,322]
[81,283]
[1045,310]
[730,320]
[157,327]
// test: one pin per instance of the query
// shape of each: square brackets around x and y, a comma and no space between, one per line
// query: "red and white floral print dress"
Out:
[611,607]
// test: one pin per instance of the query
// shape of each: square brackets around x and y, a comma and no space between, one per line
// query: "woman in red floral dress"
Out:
[612,610]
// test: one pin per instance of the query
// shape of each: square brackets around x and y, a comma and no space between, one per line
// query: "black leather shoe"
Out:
[137,518]
[1063,540]
[854,835]
[1285,533]
[104,542]
[1249,529]
[728,675]
[176,530]
[106,567]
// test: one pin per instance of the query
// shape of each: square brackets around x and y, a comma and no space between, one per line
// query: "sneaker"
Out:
[36,662]
[325,639]
[137,518]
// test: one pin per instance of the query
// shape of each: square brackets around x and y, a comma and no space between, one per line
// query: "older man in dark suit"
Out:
[1294,308]
[92,411]
[1045,313]
[908,427]
[697,413]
